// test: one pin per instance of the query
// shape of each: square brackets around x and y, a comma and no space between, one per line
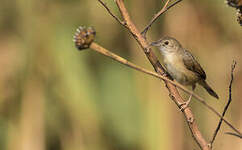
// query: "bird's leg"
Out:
[184,105]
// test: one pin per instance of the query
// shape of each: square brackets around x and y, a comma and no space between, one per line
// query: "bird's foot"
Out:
[184,105]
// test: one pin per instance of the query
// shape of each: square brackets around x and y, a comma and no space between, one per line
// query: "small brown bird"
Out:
[181,65]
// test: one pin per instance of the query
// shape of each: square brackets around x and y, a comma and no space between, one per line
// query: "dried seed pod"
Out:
[84,37]
[237,4]
[234,3]
[239,16]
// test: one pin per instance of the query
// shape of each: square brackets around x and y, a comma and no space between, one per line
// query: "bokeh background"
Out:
[54,97]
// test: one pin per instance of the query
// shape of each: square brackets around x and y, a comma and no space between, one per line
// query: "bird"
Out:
[182,66]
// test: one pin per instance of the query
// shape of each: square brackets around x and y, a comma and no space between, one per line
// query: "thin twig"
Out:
[233,134]
[157,15]
[227,105]
[112,14]
[154,18]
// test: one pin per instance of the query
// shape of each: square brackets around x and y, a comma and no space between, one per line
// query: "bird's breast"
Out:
[176,68]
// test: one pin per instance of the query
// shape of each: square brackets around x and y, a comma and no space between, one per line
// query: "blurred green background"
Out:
[54,97]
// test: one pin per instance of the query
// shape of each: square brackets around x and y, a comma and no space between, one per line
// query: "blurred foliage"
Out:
[54,97]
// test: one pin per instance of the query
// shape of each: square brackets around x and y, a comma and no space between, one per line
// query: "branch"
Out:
[227,105]
[157,15]
[233,134]
[175,96]
[160,70]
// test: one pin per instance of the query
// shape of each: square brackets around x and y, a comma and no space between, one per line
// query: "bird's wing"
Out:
[191,64]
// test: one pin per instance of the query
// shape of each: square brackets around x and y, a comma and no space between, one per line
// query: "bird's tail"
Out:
[208,88]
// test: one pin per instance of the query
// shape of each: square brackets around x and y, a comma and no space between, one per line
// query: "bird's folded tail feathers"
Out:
[208,88]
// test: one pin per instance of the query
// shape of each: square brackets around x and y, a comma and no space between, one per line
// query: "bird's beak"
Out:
[155,43]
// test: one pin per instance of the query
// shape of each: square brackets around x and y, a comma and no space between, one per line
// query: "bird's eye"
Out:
[166,42]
